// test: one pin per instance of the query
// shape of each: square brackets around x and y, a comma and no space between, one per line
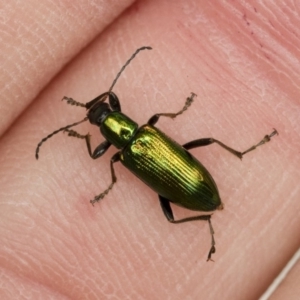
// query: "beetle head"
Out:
[98,113]
[97,108]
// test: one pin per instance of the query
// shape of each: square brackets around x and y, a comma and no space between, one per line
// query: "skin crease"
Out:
[241,59]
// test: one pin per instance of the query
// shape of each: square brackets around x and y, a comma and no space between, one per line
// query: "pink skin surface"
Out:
[240,58]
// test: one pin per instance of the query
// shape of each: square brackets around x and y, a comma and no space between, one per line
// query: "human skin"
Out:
[241,59]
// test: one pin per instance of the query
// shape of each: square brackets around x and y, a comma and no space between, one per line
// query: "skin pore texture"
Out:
[240,58]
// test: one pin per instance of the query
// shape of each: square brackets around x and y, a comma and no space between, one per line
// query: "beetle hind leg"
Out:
[167,210]
[266,139]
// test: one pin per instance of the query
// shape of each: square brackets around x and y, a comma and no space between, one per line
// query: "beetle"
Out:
[160,162]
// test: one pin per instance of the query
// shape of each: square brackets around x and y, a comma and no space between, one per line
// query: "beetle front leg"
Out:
[153,120]
[209,141]
[100,149]
[114,159]
[167,210]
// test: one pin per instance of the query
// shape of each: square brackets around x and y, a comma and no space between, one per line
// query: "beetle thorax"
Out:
[118,129]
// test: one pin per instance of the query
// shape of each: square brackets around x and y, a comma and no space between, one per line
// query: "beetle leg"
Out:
[167,210]
[209,141]
[153,120]
[266,139]
[114,159]
[100,149]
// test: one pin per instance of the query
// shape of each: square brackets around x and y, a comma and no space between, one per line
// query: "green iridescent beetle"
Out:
[160,162]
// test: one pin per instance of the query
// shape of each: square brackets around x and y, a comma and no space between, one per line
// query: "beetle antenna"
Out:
[126,64]
[53,133]
[73,102]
